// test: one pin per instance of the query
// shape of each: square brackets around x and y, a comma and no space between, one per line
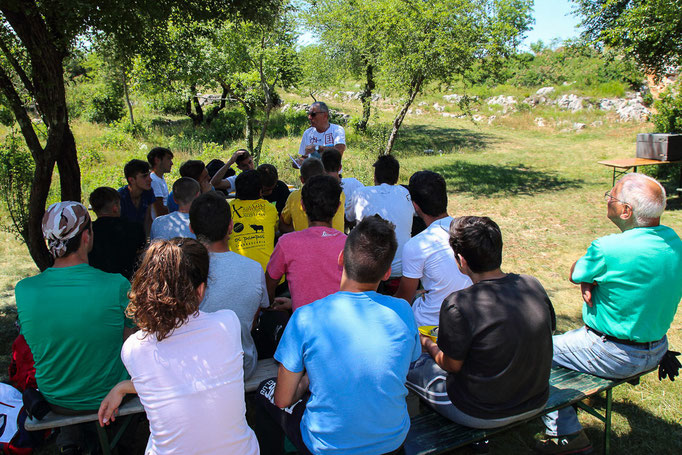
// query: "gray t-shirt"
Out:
[237,283]
[174,224]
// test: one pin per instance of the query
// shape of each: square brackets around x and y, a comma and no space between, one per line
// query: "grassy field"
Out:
[542,186]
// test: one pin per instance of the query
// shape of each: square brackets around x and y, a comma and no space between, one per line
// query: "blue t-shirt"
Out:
[174,224]
[638,282]
[128,209]
[172,205]
[357,349]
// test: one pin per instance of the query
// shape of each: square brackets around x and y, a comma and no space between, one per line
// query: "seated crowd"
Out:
[172,297]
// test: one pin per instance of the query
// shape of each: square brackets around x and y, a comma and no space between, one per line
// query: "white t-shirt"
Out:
[191,385]
[349,185]
[335,134]
[160,189]
[429,257]
[174,224]
[237,283]
[391,202]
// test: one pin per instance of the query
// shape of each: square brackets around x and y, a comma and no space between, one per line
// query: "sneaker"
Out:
[480,447]
[576,443]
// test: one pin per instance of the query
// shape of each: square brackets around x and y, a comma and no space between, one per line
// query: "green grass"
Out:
[542,186]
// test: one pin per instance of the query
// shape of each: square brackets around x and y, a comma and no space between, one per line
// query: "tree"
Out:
[436,41]
[650,31]
[36,37]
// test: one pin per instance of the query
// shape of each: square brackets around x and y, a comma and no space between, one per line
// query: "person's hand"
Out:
[425,341]
[309,149]
[109,406]
[586,291]
[236,155]
[282,303]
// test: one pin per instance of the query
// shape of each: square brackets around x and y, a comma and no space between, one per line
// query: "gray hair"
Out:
[646,205]
[323,106]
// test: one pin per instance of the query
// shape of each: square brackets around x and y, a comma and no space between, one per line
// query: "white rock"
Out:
[570,102]
[438,107]
[540,122]
[418,112]
[579,126]
[477,118]
[491,119]
[544,91]
[447,114]
[596,124]
[454,98]
[422,103]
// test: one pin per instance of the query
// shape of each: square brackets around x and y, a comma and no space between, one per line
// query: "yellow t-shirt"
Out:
[293,213]
[253,232]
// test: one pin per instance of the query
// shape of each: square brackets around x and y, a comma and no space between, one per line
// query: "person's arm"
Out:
[443,361]
[109,406]
[340,147]
[271,285]
[290,387]
[407,289]
[127,331]
[148,221]
[217,180]
[159,208]
[285,227]
[585,288]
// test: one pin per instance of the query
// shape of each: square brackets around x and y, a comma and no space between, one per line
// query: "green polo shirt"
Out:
[73,319]
[639,282]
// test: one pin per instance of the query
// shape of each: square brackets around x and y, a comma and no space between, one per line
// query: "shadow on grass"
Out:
[414,139]
[674,203]
[502,180]
[565,323]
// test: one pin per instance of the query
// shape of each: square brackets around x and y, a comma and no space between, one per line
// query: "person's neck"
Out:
[326,224]
[348,285]
[490,275]
[221,246]
[429,220]
[158,173]
[651,223]
[135,192]
[323,128]
[107,215]
[184,208]
[75,258]
[335,175]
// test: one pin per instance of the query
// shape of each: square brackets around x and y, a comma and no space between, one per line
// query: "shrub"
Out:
[669,116]
[16,176]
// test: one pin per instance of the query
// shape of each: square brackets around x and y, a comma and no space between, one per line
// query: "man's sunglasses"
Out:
[313,114]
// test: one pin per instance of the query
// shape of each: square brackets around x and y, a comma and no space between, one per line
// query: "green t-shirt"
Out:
[638,282]
[73,319]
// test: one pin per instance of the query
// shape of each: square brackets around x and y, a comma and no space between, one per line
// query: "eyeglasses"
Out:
[313,114]
[608,196]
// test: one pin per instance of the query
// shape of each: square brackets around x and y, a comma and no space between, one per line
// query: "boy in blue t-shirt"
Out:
[344,360]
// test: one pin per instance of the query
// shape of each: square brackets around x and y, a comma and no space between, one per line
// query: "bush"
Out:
[168,103]
[669,116]
[288,124]
[16,176]
[105,108]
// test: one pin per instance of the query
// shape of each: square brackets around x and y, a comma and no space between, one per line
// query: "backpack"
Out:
[14,439]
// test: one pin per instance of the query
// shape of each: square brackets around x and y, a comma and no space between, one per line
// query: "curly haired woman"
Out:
[185,365]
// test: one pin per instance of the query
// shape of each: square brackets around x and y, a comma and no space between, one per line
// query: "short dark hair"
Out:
[247,186]
[479,240]
[214,166]
[386,170]
[429,192]
[135,167]
[102,199]
[369,250]
[310,167]
[321,196]
[331,159]
[74,243]
[322,105]
[268,175]
[158,153]
[185,190]
[241,157]
[209,217]
[192,169]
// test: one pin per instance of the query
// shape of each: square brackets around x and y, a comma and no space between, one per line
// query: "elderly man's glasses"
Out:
[608,196]
[313,114]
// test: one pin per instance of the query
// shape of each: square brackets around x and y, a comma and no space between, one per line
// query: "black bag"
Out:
[268,331]
[35,403]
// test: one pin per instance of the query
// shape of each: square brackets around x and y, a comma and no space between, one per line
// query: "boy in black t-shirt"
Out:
[494,340]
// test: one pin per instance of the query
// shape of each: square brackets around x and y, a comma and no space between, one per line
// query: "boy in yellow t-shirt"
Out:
[293,218]
[254,218]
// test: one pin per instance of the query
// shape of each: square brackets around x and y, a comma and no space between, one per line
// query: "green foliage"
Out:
[668,118]
[647,30]
[167,103]
[288,124]
[96,91]
[16,176]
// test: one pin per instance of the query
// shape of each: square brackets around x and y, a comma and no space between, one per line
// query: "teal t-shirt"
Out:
[638,279]
[73,319]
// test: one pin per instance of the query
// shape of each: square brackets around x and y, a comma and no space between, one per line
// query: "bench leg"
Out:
[103,439]
[607,423]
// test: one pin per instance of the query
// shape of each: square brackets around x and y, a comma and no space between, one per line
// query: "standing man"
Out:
[161,161]
[137,197]
[321,135]
[631,287]
[428,256]
[340,386]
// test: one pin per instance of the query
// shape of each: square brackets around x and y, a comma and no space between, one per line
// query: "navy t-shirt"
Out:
[128,209]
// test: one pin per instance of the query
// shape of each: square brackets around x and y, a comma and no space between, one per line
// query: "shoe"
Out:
[576,443]
[70,450]
[480,447]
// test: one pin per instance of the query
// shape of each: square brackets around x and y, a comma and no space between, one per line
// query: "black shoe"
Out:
[71,449]
[482,446]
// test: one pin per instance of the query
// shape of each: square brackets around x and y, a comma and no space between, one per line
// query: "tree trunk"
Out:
[42,179]
[197,117]
[250,117]
[366,98]
[69,170]
[415,87]
[213,113]
[127,96]
[261,138]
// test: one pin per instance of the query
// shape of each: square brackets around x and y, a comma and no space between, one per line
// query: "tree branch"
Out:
[21,115]
[17,67]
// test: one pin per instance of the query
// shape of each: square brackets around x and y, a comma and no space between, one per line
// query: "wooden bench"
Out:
[430,433]
[622,166]
[266,369]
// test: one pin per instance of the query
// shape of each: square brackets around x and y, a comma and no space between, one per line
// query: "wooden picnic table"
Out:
[623,165]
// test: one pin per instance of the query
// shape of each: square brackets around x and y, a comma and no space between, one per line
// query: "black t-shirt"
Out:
[279,195]
[117,244]
[502,331]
